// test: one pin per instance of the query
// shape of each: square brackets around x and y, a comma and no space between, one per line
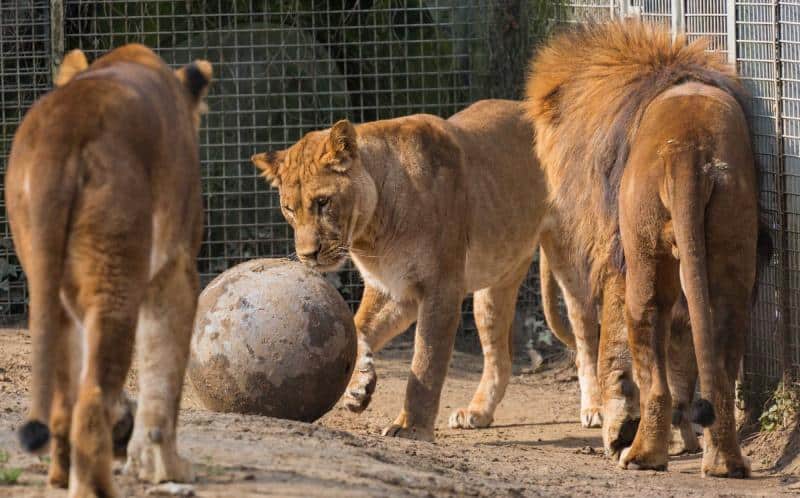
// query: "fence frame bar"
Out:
[56,36]
[731,28]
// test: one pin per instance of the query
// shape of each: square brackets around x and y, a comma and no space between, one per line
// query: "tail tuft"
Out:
[33,436]
[703,412]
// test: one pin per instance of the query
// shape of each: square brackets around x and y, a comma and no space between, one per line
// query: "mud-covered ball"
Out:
[272,337]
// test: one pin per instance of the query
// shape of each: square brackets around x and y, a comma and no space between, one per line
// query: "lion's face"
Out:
[324,192]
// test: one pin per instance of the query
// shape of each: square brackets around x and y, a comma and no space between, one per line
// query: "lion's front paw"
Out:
[464,418]
[155,461]
[591,418]
[362,385]
[415,433]
[641,460]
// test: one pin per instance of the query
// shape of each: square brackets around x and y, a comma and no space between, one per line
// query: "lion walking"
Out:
[429,210]
[646,149]
[103,193]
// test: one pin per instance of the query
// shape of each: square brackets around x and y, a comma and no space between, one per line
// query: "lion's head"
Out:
[326,194]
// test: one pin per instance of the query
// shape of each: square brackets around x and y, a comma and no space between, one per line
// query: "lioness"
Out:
[646,149]
[103,198]
[429,210]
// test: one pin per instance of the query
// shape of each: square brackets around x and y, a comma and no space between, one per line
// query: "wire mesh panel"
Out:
[757,54]
[24,75]
[790,114]
[283,69]
[580,10]
[708,19]
[654,11]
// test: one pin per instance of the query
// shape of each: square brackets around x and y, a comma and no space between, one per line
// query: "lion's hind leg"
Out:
[731,266]
[494,315]
[109,334]
[66,365]
[163,337]
[682,378]
[108,296]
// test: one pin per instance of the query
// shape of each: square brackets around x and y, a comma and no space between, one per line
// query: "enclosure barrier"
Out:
[287,67]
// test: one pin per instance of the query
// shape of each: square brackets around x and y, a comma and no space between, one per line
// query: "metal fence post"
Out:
[730,12]
[678,18]
[783,254]
[56,35]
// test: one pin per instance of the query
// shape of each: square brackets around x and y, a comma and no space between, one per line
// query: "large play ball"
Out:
[272,337]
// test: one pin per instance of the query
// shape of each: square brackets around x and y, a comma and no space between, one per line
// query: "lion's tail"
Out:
[690,192]
[550,303]
[49,208]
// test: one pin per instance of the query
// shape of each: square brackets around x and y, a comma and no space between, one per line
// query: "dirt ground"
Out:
[535,448]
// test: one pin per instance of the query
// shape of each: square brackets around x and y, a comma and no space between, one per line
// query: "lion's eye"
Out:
[321,202]
[288,209]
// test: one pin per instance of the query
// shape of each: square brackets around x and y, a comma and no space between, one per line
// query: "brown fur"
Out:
[582,334]
[606,75]
[646,147]
[429,209]
[103,193]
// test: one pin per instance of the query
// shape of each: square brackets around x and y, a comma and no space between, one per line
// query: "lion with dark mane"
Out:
[646,150]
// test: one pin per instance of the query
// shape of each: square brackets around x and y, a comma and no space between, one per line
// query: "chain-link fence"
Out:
[24,76]
[282,68]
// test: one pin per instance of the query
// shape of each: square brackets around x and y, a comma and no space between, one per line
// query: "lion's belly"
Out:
[497,249]
[486,267]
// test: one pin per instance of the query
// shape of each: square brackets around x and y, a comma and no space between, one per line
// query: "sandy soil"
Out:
[536,447]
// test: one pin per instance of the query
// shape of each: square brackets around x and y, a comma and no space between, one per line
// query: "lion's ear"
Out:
[196,77]
[74,62]
[343,141]
[270,163]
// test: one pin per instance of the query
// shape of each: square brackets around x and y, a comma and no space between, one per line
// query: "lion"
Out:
[582,335]
[428,209]
[646,150]
[103,198]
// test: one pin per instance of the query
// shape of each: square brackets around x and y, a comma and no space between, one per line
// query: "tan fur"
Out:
[428,209]
[582,334]
[103,193]
[635,131]
[74,62]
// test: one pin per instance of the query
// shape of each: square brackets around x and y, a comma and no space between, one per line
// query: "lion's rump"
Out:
[587,91]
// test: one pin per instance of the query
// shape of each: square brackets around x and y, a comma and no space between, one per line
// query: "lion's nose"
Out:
[310,254]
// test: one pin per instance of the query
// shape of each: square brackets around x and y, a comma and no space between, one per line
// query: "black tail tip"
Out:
[33,436]
[703,412]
